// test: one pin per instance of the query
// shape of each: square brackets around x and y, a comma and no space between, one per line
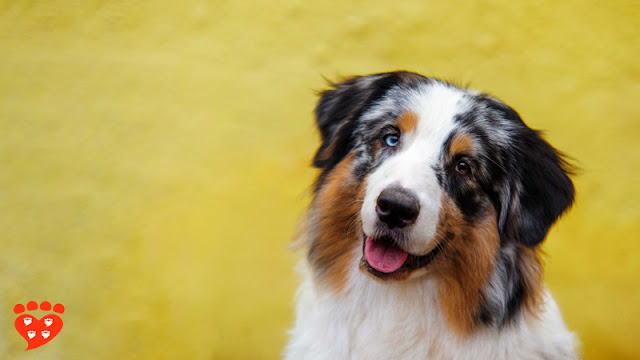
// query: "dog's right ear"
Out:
[339,109]
[336,112]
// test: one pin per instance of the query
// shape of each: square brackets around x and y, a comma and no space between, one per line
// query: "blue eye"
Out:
[391,140]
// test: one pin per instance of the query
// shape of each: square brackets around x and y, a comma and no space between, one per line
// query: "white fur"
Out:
[412,166]
[404,321]
[372,319]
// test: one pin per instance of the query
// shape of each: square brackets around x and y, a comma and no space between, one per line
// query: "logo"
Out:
[38,332]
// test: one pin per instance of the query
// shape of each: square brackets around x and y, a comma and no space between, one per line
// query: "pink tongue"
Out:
[384,256]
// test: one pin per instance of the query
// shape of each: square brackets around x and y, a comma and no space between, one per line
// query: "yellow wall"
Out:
[154,156]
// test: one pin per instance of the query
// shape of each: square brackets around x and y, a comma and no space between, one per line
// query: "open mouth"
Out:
[385,259]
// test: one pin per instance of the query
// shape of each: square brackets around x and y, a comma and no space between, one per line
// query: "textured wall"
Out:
[154,156]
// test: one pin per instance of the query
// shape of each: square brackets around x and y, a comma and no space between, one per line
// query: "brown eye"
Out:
[463,168]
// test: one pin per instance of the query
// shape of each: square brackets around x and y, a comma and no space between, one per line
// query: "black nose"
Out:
[397,207]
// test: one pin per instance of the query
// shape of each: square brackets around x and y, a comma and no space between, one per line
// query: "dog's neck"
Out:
[511,289]
[370,317]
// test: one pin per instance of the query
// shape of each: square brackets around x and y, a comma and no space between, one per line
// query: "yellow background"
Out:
[154,156]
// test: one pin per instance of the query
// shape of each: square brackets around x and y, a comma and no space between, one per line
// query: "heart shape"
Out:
[38,332]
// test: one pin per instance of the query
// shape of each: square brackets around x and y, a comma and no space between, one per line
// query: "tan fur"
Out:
[465,264]
[407,122]
[461,144]
[337,224]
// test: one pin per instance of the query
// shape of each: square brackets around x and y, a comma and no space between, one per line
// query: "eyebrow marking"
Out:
[408,122]
[461,144]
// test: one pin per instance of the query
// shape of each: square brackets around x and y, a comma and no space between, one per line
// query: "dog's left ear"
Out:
[541,190]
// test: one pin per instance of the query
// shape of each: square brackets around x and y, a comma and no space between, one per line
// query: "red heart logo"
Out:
[38,332]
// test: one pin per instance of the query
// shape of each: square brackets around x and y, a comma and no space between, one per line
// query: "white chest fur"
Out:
[374,320]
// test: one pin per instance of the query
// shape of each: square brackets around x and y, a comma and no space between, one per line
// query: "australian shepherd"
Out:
[422,240]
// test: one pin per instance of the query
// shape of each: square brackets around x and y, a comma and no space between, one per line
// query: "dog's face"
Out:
[414,169]
[419,153]
[420,177]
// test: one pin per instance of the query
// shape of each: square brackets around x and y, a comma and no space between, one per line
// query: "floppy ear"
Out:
[340,107]
[337,107]
[541,190]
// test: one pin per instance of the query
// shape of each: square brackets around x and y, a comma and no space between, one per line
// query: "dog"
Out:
[422,240]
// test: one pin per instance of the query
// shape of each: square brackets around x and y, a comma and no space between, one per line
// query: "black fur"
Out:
[337,112]
[540,189]
[509,282]
[541,174]
[339,109]
[525,179]
[535,173]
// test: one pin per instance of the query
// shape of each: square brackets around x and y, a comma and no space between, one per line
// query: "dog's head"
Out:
[417,173]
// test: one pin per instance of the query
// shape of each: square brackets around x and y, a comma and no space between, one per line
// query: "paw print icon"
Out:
[29,327]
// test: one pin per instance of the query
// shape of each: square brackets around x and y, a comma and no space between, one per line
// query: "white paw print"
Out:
[31,334]
[27,321]
[45,333]
[48,321]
